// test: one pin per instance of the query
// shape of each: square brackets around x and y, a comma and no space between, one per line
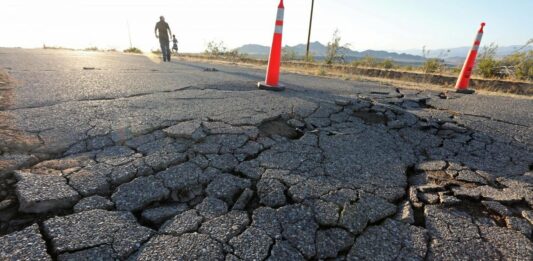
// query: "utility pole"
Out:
[129,33]
[309,34]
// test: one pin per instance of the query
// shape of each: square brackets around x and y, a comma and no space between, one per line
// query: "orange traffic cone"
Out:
[464,78]
[274,62]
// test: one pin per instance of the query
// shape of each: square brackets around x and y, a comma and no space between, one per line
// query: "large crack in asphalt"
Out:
[187,181]
[232,87]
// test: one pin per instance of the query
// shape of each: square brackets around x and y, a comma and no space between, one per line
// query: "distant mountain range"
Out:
[463,51]
[456,56]
[452,56]
[319,51]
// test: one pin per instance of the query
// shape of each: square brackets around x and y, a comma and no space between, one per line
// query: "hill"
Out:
[319,51]
[457,55]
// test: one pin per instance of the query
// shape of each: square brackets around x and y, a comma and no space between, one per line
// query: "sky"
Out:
[364,24]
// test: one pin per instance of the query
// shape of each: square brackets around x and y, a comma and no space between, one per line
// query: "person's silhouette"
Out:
[162,31]
[175,44]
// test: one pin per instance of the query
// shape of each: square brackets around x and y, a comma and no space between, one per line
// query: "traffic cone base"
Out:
[465,91]
[264,86]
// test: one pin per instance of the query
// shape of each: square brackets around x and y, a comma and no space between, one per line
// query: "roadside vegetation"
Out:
[91,49]
[335,50]
[219,50]
[48,47]
[133,50]
[4,78]
[517,66]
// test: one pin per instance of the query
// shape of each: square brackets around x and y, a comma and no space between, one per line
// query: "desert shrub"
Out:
[133,50]
[433,65]
[310,58]
[486,62]
[520,63]
[56,47]
[234,55]
[335,51]
[288,54]
[367,61]
[4,78]
[219,50]
[321,71]
[215,48]
[455,70]
[91,49]
[387,64]
[517,66]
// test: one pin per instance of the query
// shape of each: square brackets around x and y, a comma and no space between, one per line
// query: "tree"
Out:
[432,65]
[215,48]
[335,50]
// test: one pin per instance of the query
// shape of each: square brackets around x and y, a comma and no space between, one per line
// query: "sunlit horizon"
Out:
[377,25]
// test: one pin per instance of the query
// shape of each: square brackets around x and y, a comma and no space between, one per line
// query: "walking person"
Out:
[162,31]
[175,44]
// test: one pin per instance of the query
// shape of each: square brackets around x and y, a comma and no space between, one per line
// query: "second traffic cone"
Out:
[464,78]
[274,62]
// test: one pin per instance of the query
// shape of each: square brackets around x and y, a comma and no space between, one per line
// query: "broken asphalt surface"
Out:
[143,161]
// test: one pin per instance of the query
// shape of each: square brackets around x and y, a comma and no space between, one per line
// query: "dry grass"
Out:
[6,92]
[4,78]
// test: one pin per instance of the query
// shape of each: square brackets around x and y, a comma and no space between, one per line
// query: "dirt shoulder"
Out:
[4,78]
[6,91]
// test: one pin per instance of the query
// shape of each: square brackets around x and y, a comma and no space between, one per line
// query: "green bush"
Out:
[486,62]
[432,65]
[521,64]
[517,66]
[133,50]
[215,48]
[388,64]
[487,67]
[367,61]
[218,49]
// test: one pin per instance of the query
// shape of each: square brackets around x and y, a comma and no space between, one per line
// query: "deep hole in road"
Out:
[371,117]
[281,128]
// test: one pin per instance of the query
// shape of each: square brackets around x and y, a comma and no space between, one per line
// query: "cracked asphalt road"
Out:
[131,159]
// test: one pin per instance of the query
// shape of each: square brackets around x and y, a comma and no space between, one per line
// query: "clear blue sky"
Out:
[365,24]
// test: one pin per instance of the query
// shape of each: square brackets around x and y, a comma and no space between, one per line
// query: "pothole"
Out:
[370,117]
[281,128]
